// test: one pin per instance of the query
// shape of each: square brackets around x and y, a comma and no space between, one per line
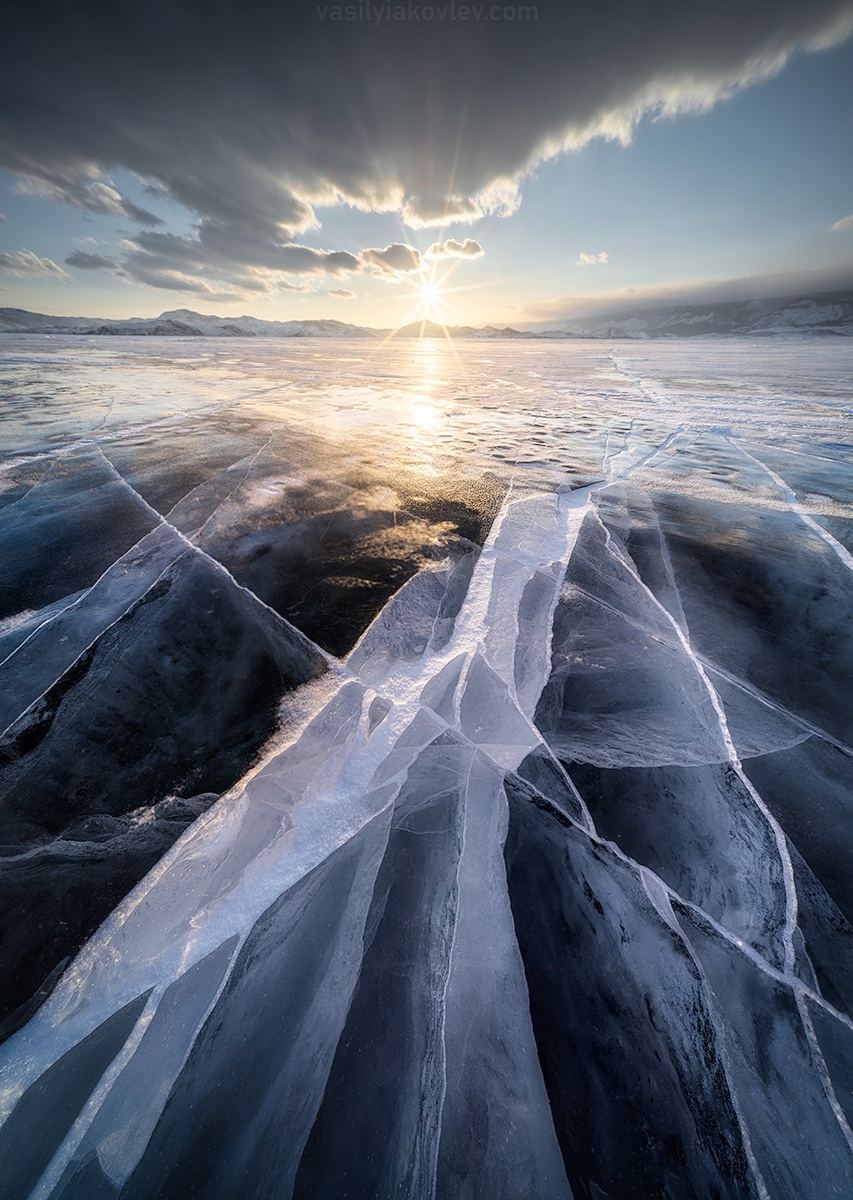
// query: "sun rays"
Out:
[430,300]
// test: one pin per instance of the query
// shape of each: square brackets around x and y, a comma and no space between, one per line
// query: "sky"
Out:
[375,163]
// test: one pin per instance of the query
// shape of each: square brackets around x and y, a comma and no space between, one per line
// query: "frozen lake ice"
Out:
[427,769]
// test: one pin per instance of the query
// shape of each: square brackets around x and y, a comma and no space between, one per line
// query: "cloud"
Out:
[423,211]
[591,260]
[396,259]
[341,293]
[843,225]
[25,264]
[95,196]
[89,262]
[252,118]
[246,261]
[224,253]
[3,218]
[453,249]
[225,246]
[176,281]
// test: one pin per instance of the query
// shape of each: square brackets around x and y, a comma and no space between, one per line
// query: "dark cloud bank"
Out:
[253,115]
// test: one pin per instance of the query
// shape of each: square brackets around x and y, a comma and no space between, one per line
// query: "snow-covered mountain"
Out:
[180,322]
[827,313]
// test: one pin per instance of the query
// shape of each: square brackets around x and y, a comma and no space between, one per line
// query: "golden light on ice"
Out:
[423,413]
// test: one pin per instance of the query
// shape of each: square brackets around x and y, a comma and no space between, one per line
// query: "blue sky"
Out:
[745,194]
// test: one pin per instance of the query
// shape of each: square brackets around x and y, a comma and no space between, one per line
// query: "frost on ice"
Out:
[431,783]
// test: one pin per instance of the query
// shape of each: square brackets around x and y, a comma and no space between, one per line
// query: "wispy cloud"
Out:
[89,262]
[227,258]
[591,260]
[227,255]
[25,263]
[95,196]
[845,224]
[341,293]
[176,281]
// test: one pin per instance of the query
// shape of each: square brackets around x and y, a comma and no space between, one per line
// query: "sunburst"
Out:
[429,297]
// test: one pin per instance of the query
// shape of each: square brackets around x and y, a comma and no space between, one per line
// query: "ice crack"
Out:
[717,704]
[216,564]
[841,552]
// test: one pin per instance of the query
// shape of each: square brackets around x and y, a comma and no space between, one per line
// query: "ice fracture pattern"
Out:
[426,773]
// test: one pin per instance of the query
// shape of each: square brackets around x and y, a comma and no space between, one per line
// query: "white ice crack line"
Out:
[433,1181]
[734,758]
[191,546]
[634,379]
[53,1171]
[49,1177]
[823,1071]
[118,435]
[249,460]
[662,903]
[105,417]
[799,508]
[46,478]
[799,453]
[130,550]
[140,427]
[217,565]
[792,982]
[782,848]
[736,681]
[609,461]
[77,600]
[89,646]
[539,746]
[801,992]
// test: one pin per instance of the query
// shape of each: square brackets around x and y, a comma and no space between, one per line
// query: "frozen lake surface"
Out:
[427,769]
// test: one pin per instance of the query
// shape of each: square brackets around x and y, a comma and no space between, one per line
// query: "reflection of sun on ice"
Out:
[423,413]
[428,361]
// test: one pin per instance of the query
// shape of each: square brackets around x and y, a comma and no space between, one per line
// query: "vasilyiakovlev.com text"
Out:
[376,14]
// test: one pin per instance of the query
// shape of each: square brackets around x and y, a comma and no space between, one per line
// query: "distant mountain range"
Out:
[825,313]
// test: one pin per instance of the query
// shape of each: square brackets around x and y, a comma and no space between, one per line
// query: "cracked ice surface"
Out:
[426,774]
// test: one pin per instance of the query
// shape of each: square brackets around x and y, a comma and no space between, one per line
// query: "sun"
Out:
[429,291]
[430,295]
